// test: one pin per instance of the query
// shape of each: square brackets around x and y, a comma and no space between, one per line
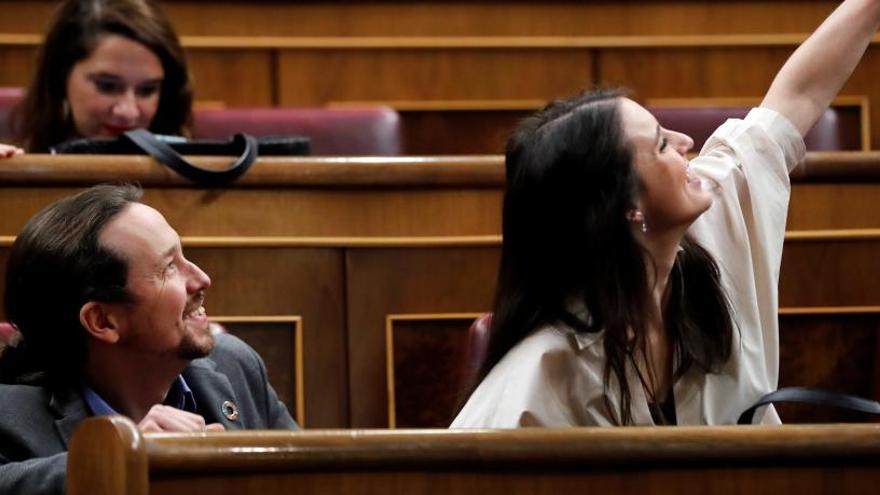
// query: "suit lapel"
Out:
[212,391]
[70,409]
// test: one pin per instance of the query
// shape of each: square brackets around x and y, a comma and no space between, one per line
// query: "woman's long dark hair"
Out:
[75,30]
[568,243]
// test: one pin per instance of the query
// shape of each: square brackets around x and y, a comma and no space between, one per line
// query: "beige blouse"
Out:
[554,377]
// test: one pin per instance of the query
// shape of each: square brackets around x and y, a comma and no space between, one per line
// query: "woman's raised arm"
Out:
[816,71]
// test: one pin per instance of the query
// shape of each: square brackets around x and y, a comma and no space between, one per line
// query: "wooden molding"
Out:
[829,310]
[836,235]
[465,42]
[355,172]
[343,242]
[525,105]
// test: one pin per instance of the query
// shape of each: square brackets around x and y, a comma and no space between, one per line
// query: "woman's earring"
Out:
[65,110]
[638,216]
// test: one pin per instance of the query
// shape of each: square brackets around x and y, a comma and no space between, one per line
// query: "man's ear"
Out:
[100,321]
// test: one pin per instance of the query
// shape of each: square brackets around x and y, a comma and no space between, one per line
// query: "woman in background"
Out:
[636,288]
[105,67]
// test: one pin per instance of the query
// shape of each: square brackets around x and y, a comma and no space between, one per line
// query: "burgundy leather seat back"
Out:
[838,129]
[9,97]
[6,332]
[351,131]
[477,347]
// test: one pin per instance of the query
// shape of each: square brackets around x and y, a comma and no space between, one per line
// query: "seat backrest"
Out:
[9,98]
[836,130]
[368,131]
[477,347]
[7,331]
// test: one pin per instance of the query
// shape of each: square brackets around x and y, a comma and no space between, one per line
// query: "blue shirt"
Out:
[179,396]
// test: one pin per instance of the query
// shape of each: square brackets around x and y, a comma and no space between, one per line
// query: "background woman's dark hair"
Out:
[54,267]
[568,244]
[75,31]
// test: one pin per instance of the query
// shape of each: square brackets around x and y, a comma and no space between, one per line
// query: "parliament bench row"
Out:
[366,268]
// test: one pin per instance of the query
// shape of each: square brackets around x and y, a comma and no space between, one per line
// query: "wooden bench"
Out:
[109,456]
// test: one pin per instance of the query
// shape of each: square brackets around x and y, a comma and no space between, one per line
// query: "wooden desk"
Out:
[108,456]
[342,270]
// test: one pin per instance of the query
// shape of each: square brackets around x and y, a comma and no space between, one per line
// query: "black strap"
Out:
[164,153]
[811,396]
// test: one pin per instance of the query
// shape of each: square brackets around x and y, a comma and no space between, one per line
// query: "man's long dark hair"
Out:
[75,31]
[55,266]
[567,244]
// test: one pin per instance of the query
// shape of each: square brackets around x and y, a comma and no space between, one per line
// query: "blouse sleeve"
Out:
[746,163]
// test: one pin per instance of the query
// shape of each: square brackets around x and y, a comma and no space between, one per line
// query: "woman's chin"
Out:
[704,202]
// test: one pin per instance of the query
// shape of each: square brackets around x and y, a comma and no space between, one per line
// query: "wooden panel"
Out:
[494,18]
[240,212]
[863,81]
[322,76]
[458,132]
[18,65]
[835,206]
[830,273]
[233,77]
[691,72]
[306,282]
[427,368]
[381,282]
[278,341]
[242,77]
[705,72]
[26,16]
[833,352]
[527,481]
[462,18]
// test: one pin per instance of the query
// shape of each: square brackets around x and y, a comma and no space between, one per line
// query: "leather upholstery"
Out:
[351,131]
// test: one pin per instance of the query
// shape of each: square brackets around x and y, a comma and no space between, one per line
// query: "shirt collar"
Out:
[179,396]
[577,308]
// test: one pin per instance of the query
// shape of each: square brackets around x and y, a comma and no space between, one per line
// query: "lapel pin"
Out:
[230,410]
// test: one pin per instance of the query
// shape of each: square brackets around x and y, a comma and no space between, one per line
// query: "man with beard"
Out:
[112,321]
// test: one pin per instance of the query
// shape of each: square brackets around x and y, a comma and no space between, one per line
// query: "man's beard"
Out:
[192,347]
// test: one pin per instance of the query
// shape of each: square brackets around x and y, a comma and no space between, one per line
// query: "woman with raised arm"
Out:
[105,67]
[636,288]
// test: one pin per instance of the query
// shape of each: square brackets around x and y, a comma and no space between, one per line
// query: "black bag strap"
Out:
[164,153]
[811,396]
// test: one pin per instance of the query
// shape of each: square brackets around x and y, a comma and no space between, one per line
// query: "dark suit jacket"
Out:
[36,424]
